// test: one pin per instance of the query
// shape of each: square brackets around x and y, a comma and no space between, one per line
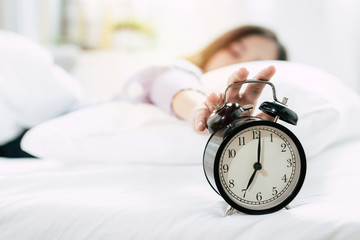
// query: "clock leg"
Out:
[229,211]
[287,207]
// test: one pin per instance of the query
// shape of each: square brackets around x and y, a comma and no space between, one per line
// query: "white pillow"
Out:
[116,131]
[127,132]
[32,88]
[328,110]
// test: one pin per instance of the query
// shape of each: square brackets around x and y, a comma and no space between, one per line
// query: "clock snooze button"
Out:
[248,107]
[224,117]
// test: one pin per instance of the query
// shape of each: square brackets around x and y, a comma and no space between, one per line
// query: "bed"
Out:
[43,199]
[121,170]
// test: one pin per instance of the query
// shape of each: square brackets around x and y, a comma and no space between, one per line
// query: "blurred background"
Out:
[103,41]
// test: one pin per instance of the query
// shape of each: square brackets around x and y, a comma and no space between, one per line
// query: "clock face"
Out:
[261,168]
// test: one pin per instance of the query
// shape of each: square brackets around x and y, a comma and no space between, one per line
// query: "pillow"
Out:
[142,133]
[32,88]
[327,109]
[116,131]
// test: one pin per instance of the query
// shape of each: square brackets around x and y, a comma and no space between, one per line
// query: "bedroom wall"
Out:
[322,33]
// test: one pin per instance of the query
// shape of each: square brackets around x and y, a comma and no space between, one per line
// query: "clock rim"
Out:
[298,185]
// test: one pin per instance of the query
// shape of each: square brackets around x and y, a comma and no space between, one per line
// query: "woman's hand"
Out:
[249,96]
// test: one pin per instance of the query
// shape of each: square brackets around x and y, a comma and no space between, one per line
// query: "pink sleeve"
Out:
[158,85]
[168,84]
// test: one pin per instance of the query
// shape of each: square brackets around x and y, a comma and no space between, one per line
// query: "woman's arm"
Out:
[195,108]
[186,103]
[160,83]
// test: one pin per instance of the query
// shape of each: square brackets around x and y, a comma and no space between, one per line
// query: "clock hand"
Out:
[259,149]
[251,179]
[257,165]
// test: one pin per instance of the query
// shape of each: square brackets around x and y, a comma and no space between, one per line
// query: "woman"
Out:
[177,89]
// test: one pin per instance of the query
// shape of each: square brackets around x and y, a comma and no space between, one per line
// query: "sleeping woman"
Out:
[177,89]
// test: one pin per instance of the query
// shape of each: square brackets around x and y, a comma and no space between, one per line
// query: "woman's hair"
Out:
[200,59]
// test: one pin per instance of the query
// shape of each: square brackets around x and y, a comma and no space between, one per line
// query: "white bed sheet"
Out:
[46,199]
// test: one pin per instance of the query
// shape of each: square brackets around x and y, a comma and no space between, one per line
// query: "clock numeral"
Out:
[256,134]
[231,183]
[284,178]
[225,167]
[241,141]
[244,190]
[232,153]
[271,138]
[258,196]
[274,191]
[283,145]
[289,163]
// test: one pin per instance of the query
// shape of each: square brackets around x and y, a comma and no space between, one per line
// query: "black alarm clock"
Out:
[257,166]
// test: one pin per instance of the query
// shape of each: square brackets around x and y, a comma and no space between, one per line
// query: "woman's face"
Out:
[246,49]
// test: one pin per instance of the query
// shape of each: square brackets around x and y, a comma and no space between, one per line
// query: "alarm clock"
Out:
[257,166]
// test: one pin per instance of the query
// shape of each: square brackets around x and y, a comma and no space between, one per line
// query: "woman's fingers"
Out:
[203,112]
[201,116]
[250,96]
[238,76]
[253,90]
[212,101]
